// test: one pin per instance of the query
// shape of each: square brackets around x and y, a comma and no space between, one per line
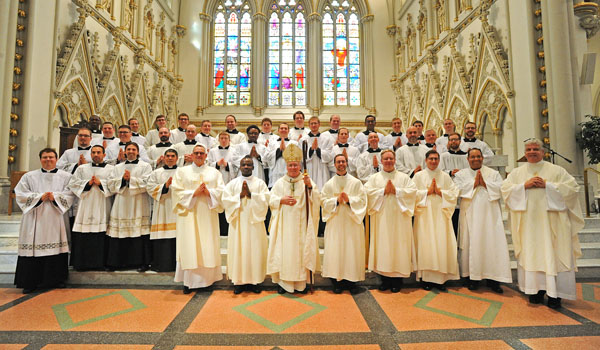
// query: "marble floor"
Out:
[162,317]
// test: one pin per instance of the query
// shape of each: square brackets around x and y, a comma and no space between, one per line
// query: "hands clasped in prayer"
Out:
[535,182]
[479,180]
[433,189]
[245,193]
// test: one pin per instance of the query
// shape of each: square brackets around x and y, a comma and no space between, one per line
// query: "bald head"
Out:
[412,133]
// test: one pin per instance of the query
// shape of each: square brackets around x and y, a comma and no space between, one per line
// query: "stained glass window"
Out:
[232,53]
[287,53]
[341,54]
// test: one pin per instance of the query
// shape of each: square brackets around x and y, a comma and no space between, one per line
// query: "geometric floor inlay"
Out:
[66,321]
[486,320]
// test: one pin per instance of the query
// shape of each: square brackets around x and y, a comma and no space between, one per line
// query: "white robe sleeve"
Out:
[554,199]
[138,183]
[514,195]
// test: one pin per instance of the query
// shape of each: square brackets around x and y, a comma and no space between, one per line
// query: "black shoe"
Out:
[143,268]
[304,291]
[473,285]
[426,285]
[385,283]
[554,303]
[238,289]
[255,288]
[537,298]
[356,289]
[495,286]
[395,289]
[186,290]
[337,290]
[28,290]
[441,287]
[280,290]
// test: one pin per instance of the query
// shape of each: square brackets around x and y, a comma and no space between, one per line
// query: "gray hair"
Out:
[533,140]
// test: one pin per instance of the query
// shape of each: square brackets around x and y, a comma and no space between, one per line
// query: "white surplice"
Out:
[95,202]
[163,218]
[344,255]
[260,163]
[360,141]
[293,247]
[156,151]
[410,157]
[483,251]
[44,227]
[236,138]
[364,164]
[183,148]
[228,172]
[198,240]
[392,251]
[278,165]
[247,238]
[317,161]
[353,154]
[544,225]
[434,236]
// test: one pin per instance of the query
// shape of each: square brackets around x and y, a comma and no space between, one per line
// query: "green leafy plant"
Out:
[589,138]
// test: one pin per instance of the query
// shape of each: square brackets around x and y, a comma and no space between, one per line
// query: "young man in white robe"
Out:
[410,158]
[344,203]
[319,153]
[178,134]
[469,141]
[545,218]
[163,224]
[482,247]
[94,124]
[44,197]
[396,138]
[430,137]
[152,137]
[451,162]
[276,149]
[185,148]
[246,201]
[196,191]
[255,150]
[204,138]
[75,157]
[293,255]
[134,124]
[88,236]
[220,158]
[361,140]
[108,135]
[342,146]
[235,137]
[334,127]
[156,152]
[392,195]
[369,161]
[266,136]
[298,131]
[434,236]
[129,227]
[449,128]
[115,151]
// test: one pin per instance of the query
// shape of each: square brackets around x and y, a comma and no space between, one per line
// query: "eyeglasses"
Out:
[83,135]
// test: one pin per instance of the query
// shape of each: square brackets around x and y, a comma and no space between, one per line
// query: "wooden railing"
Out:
[586,186]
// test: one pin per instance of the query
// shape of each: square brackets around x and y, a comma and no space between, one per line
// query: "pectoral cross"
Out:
[293,184]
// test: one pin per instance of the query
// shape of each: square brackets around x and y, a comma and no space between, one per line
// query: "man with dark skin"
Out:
[361,139]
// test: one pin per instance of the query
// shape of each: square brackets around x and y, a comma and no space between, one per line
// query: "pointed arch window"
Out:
[287,53]
[341,54]
[232,53]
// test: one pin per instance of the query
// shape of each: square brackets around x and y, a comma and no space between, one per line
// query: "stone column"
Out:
[8,26]
[314,66]
[431,30]
[259,62]
[562,83]
[139,32]
[205,76]
[368,65]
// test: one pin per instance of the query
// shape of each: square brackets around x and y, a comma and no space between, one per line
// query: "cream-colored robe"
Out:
[95,204]
[483,251]
[434,236]
[247,242]
[164,220]
[392,251]
[293,247]
[544,226]
[344,256]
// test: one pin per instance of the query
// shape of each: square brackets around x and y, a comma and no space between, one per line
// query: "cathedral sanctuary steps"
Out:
[588,264]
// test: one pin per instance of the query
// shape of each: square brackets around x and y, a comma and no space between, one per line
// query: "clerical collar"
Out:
[134,134]
[286,139]
[266,133]
[234,131]
[189,142]
[164,144]
[96,131]
[55,170]
[166,167]
[251,141]
[205,135]
[99,165]
[430,145]
[108,138]
[445,135]
[412,144]
[247,177]
[297,128]
[122,143]
[476,169]
[221,147]
[342,145]
[422,137]
[469,140]
[132,161]
[367,132]
[370,150]
[83,148]
[344,174]
[331,131]
[396,133]
[181,129]
[310,134]
[456,152]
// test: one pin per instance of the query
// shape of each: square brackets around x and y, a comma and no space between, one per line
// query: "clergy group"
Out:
[395,205]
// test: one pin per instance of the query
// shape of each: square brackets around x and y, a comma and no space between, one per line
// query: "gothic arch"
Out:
[266,7]
[210,6]
[75,99]
[491,99]
[433,120]
[361,5]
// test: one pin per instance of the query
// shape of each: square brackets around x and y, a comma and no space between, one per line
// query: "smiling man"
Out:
[545,218]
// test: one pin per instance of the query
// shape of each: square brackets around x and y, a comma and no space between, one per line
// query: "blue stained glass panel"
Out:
[328,84]
[329,98]
[354,57]
[232,42]
[274,70]
[300,56]
[245,57]
[300,43]
[327,44]
[287,43]
[342,84]
[220,43]
[273,83]
[245,43]
[354,84]
[355,99]
[354,44]
[274,43]
[219,57]
[354,71]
